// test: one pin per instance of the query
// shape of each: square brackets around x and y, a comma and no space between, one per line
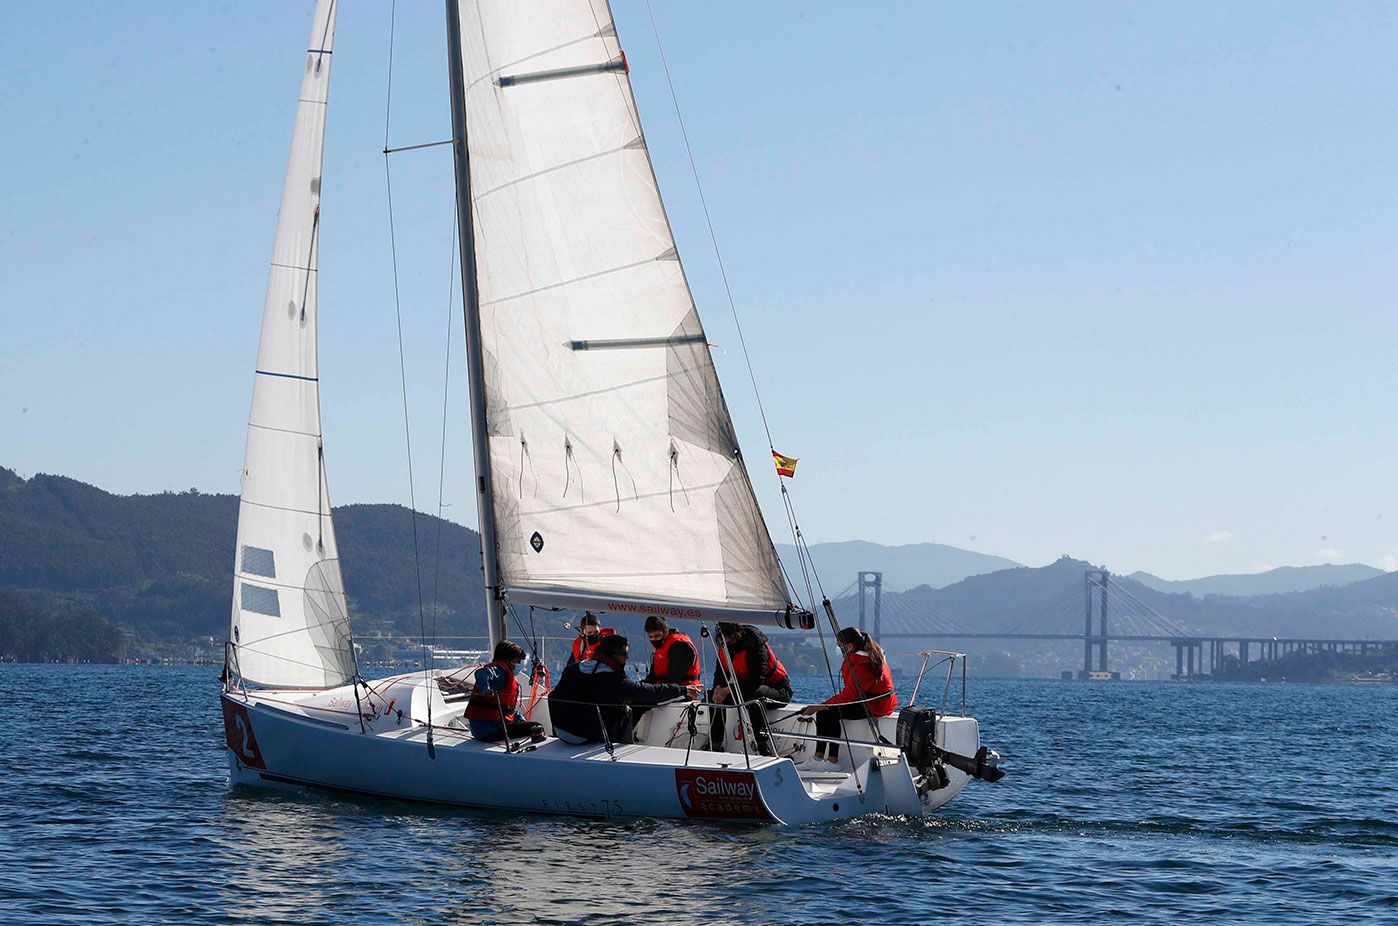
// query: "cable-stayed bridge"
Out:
[1095,609]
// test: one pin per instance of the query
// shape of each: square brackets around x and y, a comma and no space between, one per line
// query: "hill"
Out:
[903,567]
[1273,581]
[1049,599]
[162,564]
[84,573]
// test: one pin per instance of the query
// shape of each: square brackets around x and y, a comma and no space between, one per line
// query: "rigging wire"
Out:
[403,376]
[713,237]
[802,552]
[442,466]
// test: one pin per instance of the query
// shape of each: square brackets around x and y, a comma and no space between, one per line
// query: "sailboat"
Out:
[608,474]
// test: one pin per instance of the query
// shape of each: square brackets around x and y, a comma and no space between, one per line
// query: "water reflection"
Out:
[297,856]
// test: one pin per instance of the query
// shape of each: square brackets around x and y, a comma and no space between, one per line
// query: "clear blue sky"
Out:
[1109,280]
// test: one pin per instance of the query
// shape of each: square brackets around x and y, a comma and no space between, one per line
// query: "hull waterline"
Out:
[279,739]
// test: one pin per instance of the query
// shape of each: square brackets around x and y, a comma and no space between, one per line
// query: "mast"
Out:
[470,299]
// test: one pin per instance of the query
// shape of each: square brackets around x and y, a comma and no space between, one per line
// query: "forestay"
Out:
[617,477]
[290,623]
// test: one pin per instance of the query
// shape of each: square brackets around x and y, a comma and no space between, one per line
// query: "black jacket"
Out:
[754,642]
[590,682]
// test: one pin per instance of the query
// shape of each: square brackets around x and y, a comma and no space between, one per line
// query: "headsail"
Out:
[615,469]
[290,622]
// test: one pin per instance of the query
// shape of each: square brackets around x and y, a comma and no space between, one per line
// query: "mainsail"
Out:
[615,474]
[290,622]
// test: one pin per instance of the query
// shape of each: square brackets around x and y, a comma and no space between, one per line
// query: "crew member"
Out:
[868,690]
[746,659]
[675,660]
[490,710]
[591,701]
[590,633]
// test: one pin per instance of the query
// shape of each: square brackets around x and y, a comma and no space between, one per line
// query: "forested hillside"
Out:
[92,575]
[162,564]
[56,630]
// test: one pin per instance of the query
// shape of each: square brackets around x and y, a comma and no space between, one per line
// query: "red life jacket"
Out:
[660,663]
[862,684]
[581,652]
[484,706]
[776,672]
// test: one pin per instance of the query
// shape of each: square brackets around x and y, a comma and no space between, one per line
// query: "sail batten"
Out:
[613,462]
[290,621]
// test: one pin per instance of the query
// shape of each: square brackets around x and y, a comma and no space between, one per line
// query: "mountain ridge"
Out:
[904,566]
[1282,579]
[1050,599]
[160,566]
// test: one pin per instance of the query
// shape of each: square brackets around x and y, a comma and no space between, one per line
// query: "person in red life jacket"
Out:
[589,703]
[590,633]
[675,661]
[746,659]
[491,709]
[868,690]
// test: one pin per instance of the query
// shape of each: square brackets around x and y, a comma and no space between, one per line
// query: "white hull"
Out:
[314,738]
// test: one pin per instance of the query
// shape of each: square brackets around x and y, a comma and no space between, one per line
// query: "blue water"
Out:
[1254,803]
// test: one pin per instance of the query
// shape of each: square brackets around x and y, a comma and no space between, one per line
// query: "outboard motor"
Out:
[917,735]
[917,738]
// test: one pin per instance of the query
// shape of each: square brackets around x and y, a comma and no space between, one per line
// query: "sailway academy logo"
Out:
[720,794]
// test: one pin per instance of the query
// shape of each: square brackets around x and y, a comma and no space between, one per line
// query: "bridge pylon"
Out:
[1097,580]
[872,581]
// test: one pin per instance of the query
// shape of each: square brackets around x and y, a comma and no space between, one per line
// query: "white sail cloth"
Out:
[616,471]
[290,622]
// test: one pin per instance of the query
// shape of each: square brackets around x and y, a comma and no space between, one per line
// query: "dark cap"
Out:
[613,646]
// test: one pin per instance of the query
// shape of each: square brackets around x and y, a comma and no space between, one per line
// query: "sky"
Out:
[1115,281]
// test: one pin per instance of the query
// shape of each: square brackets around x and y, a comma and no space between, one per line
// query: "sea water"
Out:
[1260,803]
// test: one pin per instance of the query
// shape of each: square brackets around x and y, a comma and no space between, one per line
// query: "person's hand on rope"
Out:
[720,694]
[811,710]
[692,692]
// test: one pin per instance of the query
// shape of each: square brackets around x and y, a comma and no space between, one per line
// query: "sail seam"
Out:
[268,427]
[596,392]
[258,579]
[266,655]
[588,276]
[546,576]
[294,630]
[612,501]
[294,267]
[248,501]
[549,170]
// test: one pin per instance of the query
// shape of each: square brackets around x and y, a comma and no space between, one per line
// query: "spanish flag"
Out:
[786,466]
